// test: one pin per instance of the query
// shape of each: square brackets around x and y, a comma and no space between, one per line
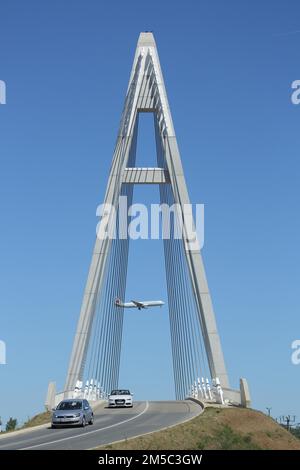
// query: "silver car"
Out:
[72,412]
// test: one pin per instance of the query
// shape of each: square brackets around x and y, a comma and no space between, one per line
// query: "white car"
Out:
[120,398]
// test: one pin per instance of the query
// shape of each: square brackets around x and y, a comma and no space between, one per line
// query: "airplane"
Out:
[138,304]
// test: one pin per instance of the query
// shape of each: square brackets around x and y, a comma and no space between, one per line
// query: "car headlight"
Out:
[77,415]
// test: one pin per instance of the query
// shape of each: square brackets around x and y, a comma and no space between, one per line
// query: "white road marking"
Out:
[89,432]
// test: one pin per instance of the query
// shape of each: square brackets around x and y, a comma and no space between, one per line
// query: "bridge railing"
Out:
[203,390]
[212,392]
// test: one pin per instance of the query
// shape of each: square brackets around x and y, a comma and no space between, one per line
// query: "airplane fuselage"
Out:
[139,304]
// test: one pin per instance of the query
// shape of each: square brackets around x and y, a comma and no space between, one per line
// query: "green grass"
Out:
[226,438]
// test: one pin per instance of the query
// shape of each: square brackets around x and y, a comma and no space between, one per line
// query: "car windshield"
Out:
[70,405]
[120,392]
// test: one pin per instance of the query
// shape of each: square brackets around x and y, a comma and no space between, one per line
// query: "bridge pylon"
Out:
[97,342]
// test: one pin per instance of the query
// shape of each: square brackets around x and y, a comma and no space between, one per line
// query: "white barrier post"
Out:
[208,389]
[220,391]
[86,389]
[95,391]
[203,388]
[195,390]
[80,386]
[199,387]
[214,389]
[77,390]
[90,389]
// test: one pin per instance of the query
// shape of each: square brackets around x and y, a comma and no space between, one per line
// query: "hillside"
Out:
[216,428]
[37,420]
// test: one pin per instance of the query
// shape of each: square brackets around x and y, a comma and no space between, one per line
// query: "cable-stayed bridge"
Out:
[198,362]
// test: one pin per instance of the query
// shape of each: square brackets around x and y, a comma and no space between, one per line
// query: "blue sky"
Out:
[228,68]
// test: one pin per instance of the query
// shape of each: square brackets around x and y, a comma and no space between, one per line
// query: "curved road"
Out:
[110,425]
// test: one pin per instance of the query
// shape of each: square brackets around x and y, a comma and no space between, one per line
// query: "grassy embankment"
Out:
[223,429]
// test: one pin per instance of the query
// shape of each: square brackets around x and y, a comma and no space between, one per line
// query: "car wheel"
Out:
[83,423]
[53,426]
[91,421]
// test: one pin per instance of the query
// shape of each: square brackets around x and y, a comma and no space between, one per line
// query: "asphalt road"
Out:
[110,425]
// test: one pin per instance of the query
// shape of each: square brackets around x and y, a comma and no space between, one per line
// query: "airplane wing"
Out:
[139,304]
